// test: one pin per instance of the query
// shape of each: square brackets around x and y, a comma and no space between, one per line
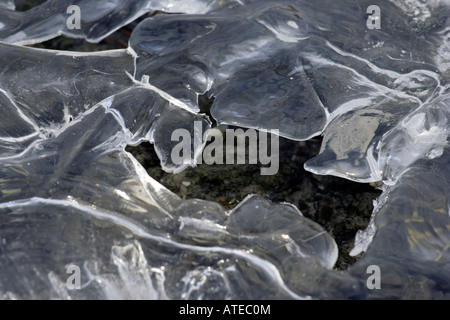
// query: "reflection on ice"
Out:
[71,195]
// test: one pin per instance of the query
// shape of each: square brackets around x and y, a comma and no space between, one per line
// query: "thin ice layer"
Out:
[97,19]
[100,210]
[378,144]
[288,68]
[412,233]
[7,4]
[94,200]
[380,97]
[42,91]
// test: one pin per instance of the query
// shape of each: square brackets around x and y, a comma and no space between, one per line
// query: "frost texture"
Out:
[70,194]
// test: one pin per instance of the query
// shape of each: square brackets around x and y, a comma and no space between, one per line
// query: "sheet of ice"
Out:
[98,19]
[84,185]
[70,194]
[289,69]
[7,4]
[43,91]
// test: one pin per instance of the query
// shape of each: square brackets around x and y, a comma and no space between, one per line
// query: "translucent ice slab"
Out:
[98,18]
[288,68]
[77,198]
[70,195]
[43,91]
[7,4]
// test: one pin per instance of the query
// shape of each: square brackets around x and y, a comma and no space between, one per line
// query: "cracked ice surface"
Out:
[98,20]
[70,194]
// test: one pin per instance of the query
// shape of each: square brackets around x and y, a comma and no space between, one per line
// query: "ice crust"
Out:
[71,194]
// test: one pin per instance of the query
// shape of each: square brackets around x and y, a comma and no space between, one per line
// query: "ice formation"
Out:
[71,195]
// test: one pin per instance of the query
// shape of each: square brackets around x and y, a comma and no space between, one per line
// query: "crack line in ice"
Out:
[145,84]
